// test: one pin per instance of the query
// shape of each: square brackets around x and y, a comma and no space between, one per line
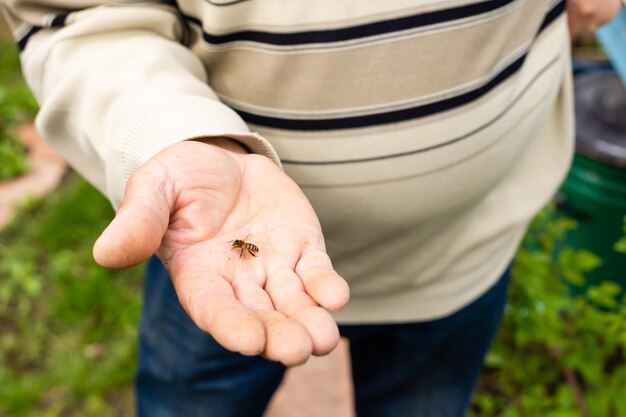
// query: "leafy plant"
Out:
[556,355]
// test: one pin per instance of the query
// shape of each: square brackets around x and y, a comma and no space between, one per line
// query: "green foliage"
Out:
[620,245]
[13,160]
[556,354]
[17,101]
[67,326]
[16,105]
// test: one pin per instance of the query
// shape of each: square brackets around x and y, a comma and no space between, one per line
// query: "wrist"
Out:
[226,144]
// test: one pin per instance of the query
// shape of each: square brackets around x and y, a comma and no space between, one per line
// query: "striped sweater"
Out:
[426,133]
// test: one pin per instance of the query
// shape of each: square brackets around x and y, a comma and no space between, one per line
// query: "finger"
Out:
[210,302]
[321,281]
[288,296]
[251,295]
[321,326]
[287,341]
[140,223]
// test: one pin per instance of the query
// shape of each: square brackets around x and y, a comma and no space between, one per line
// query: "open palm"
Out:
[188,204]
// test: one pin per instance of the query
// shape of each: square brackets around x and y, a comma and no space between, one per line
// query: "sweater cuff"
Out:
[171,122]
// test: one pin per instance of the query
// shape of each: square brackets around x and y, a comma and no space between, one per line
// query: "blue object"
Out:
[425,369]
[593,67]
[612,37]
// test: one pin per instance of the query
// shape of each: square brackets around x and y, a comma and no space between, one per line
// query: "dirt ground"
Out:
[46,171]
[320,388]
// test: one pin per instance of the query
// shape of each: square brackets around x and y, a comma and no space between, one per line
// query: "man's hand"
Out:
[588,15]
[187,204]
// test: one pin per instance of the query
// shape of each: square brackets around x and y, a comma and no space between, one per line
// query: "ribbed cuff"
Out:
[170,122]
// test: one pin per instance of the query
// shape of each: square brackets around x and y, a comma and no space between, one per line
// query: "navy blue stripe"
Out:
[21,43]
[553,14]
[226,3]
[383,118]
[355,32]
[439,145]
[57,21]
[398,115]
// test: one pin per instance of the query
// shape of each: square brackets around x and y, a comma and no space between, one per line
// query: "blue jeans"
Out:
[425,369]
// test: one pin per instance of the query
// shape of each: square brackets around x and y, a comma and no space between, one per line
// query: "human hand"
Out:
[187,203]
[587,15]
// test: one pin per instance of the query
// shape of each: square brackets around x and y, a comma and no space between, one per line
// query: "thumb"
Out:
[136,231]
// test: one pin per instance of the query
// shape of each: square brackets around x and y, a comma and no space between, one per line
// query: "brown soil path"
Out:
[322,387]
[46,171]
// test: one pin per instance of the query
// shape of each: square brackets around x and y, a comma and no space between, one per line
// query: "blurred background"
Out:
[68,327]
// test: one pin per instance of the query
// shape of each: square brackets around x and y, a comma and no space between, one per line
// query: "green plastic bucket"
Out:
[594,193]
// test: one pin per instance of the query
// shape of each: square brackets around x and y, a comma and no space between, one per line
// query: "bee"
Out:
[244,246]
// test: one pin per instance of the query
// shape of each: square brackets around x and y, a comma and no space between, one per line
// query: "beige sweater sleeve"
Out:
[116,85]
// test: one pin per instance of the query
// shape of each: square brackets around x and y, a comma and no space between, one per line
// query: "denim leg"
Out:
[425,369]
[184,372]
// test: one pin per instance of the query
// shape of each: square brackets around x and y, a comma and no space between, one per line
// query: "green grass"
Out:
[17,105]
[67,326]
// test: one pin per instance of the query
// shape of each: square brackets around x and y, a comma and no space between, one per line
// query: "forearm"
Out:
[230,145]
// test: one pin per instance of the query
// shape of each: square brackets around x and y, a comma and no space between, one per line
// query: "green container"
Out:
[595,196]
[594,193]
